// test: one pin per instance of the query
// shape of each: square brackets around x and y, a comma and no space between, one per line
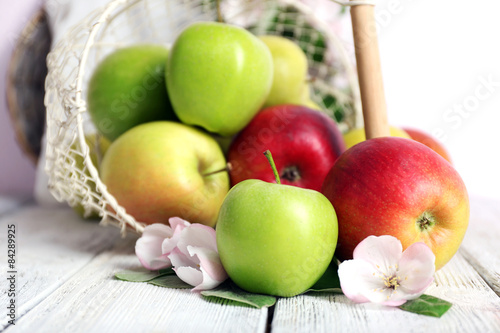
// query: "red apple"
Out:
[305,144]
[399,187]
[429,141]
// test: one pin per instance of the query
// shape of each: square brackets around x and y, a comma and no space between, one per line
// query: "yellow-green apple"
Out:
[290,72]
[128,88]
[97,145]
[218,76]
[311,104]
[275,239]
[164,169]
[357,135]
[399,187]
[306,143]
[429,141]
[306,99]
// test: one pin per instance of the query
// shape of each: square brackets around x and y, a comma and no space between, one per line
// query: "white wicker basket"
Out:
[126,22]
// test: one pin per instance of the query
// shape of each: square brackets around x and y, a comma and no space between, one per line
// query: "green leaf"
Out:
[170,281]
[330,281]
[427,305]
[229,291]
[142,274]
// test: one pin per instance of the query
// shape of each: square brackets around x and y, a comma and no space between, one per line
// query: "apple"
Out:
[218,76]
[306,99]
[128,88]
[311,104]
[357,135]
[223,141]
[306,143]
[399,187]
[290,72]
[98,145]
[429,141]
[275,239]
[162,169]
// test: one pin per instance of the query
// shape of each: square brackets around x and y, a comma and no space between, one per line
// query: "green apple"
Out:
[357,135]
[164,169]
[98,145]
[128,88]
[290,72]
[218,76]
[275,239]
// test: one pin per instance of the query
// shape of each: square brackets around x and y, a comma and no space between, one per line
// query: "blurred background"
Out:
[441,70]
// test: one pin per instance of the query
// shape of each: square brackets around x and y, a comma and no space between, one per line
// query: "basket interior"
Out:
[124,23]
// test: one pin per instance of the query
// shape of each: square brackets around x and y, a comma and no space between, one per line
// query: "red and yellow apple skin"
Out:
[164,169]
[305,144]
[399,187]
[429,141]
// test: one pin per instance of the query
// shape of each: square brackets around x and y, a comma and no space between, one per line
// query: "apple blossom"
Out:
[195,258]
[381,272]
[169,244]
[190,248]
[157,241]
[148,248]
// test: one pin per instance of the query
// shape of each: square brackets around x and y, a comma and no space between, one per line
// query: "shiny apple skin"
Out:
[383,185]
[429,141]
[275,239]
[164,169]
[218,76]
[299,138]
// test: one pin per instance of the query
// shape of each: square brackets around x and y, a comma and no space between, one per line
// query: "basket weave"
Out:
[126,22]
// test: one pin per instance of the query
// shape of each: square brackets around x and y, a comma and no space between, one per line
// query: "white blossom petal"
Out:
[208,282]
[190,275]
[177,224]
[195,258]
[351,281]
[416,269]
[381,273]
[197,235]
[209,262]
[179,259]
[148,247]
[384,252]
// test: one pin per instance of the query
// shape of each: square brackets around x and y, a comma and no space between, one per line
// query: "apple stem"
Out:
[269,157]
[226,168]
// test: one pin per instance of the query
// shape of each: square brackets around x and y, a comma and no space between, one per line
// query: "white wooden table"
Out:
[65,283]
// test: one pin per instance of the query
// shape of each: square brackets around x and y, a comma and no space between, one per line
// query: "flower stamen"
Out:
[389,264]
[391,282]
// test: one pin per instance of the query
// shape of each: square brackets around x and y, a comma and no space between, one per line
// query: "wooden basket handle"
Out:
[369,71]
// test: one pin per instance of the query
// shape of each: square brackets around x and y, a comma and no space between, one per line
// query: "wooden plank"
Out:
[53,244]
[481,244]
[65,283]
[476,309]
[92,300]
